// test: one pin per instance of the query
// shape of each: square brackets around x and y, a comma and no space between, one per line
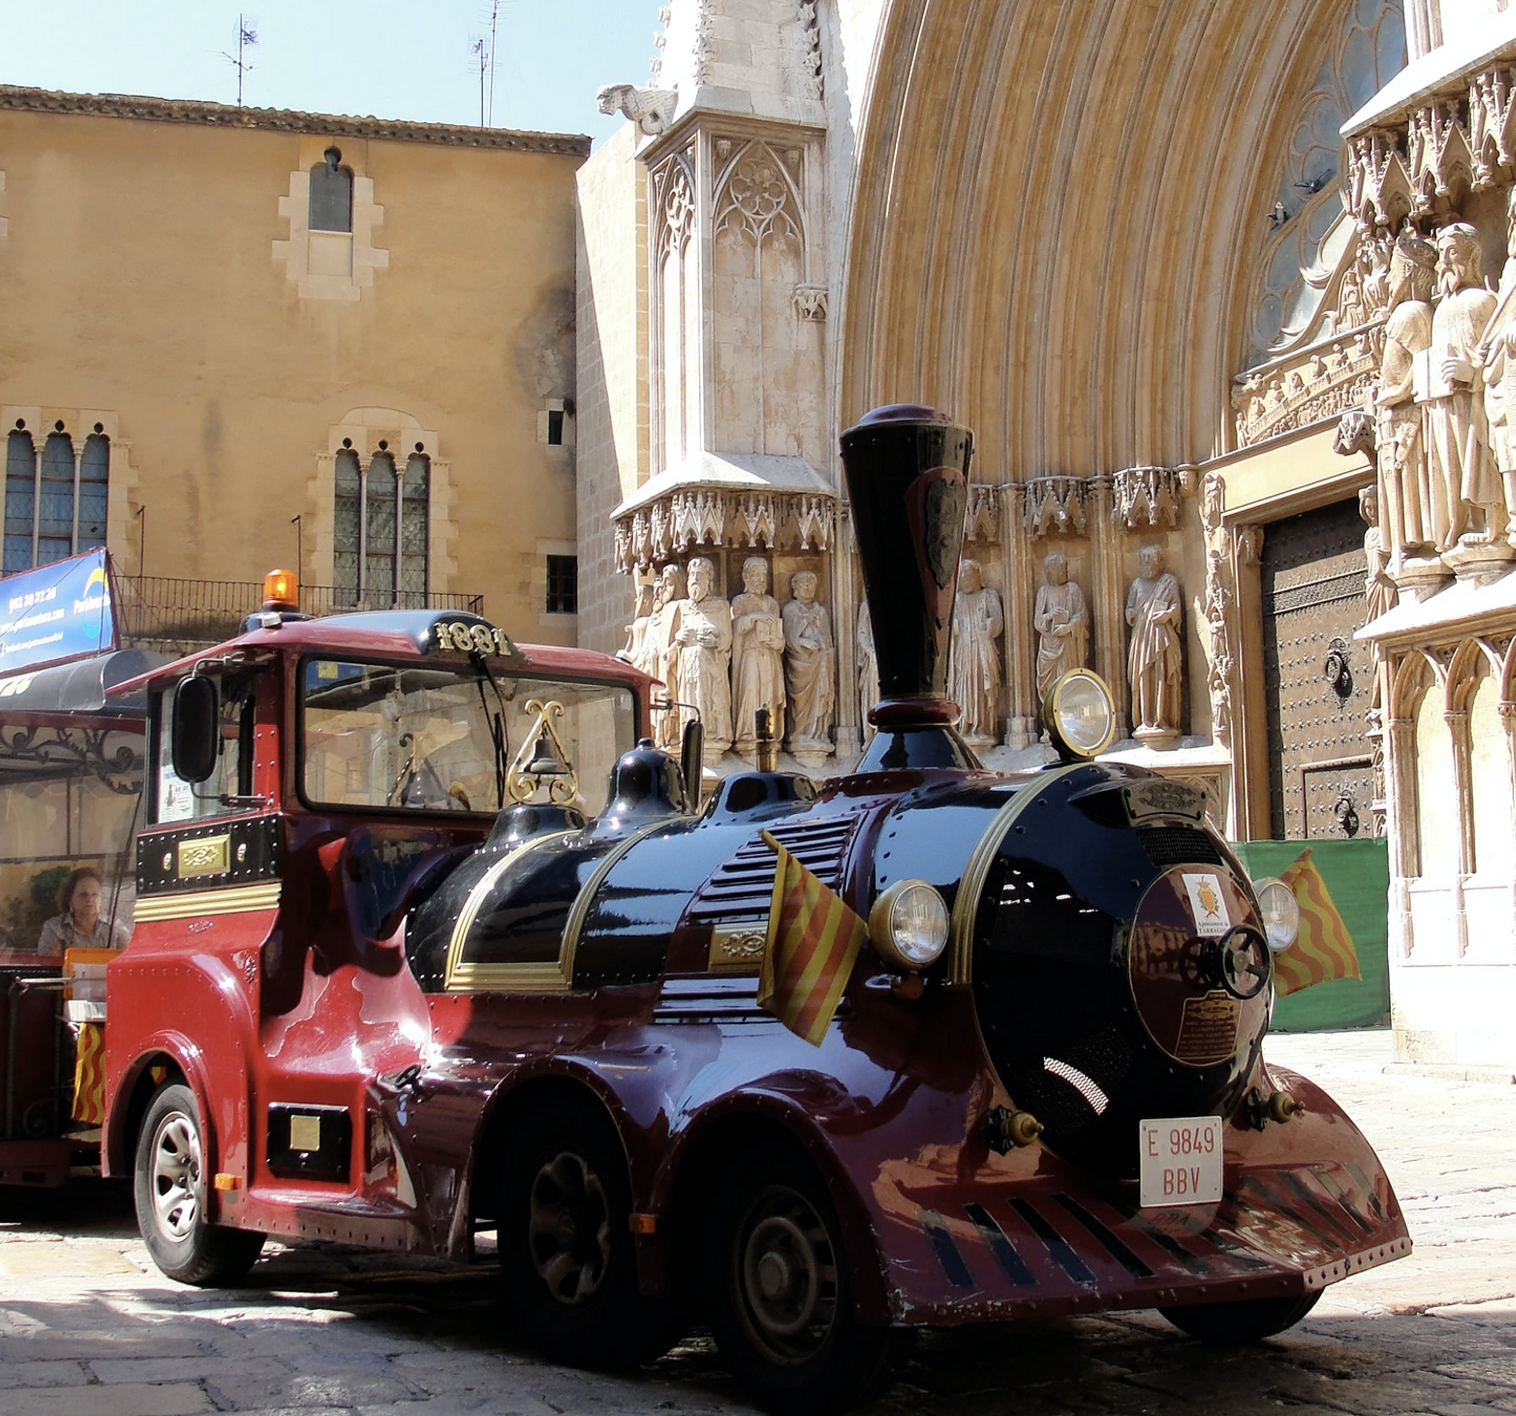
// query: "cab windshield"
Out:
[444,739]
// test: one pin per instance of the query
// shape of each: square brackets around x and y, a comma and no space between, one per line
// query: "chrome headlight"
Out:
[909,924]
[1280,911]
[1079,714]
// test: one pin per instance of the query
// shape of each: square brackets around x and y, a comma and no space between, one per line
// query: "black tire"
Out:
[1235,1324]
[170,1185]
[567,1256]
[781,1293]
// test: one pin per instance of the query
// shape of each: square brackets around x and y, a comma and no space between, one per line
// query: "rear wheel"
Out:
[1234,1324]
[567,1254]
[782,1309]
[170,1186]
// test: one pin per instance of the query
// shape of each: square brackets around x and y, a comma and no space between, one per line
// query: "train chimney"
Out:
[907,476]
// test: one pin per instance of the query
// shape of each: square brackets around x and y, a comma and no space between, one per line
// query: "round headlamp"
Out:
[1280,911]
[1079,714]
[909,925]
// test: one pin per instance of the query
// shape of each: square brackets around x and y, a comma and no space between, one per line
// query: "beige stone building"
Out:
[232,337]
[1146,253]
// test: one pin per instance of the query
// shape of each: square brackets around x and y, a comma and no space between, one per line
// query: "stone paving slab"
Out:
[88,1326]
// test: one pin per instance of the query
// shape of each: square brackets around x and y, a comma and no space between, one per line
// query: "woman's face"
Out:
[84,903]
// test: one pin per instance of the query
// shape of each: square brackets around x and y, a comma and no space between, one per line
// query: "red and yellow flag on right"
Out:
[813,942]
[1323,949]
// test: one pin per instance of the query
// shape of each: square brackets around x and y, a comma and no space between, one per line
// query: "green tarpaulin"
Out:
[1357,876]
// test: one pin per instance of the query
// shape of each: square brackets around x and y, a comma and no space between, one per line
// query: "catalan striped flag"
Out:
[813,941]
[89,1075]
[1323,949]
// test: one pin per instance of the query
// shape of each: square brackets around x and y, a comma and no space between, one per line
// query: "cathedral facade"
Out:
[1218,286]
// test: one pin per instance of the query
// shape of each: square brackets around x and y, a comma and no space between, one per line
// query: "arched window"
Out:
[379,531]
[20,501]
[415,493]
[347,528]
[94,479]
[331,206]
[55,499]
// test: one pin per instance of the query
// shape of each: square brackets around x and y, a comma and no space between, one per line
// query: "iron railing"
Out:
[178,616]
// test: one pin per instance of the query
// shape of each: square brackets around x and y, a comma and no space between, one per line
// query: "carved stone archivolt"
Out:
[683,519]
[1054,504]
[1309,385]
[1147,496]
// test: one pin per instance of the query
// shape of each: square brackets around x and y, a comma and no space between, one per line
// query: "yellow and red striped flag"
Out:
[813,941]
[1323,949]
[89,1075]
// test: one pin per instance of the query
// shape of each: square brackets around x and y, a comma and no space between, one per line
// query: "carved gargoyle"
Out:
[649,108]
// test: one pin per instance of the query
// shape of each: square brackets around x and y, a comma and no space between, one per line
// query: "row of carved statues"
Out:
[722,662]
[1442,416]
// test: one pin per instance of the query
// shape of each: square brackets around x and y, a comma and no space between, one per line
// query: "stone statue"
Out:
[868,670]
[1498,348]
[1155,659]
[636,631]
[1405,501]
[1062,623]
[810,674]
[661,652]
[1379,591]
[703,637]
[974,661]
[757,655]
[1462,468]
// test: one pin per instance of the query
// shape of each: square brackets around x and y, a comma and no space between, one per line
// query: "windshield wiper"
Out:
[496,722]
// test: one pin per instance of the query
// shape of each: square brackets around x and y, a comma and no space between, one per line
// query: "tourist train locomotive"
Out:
[359,1006]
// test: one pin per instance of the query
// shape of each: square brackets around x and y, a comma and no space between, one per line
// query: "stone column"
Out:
[1021,724]
[1109,600]
[845,633]
[1400,771]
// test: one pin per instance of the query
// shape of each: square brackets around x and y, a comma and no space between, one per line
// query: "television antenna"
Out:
[247,37]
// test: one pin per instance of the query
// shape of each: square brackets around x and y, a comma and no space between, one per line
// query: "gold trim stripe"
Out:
[586,897]
[232,900]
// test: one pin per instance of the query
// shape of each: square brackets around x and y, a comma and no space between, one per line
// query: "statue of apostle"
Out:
[973,660]
[868,670]
[757,655]
[810,675]
[1411,519]
[1498,347]
[636,632]
[660,653]
[1458,439]
[1155,659]
[1062,623]
[704,640]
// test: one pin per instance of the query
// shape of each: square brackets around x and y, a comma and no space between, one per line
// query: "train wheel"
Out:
[782,1310]
[1250,1320]
[170,1186]
[567,1254]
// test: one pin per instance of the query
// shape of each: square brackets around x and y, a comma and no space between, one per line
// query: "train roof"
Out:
[392,634]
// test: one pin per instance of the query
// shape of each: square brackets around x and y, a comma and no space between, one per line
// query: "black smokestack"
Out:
[907,476]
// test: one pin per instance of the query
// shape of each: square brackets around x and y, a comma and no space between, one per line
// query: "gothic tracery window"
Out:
[56,501]
[381,528]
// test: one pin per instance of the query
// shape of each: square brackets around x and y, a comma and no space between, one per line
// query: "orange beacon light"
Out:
[281,590]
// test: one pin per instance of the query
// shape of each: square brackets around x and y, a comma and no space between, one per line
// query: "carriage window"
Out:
[440,739]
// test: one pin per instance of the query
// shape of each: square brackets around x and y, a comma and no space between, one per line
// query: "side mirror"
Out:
[196,737]
[691,761]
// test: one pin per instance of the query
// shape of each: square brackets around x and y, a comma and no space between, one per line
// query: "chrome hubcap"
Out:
[569,1229]
[176,1176]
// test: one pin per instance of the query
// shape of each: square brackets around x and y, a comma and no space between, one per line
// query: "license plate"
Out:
[1180,1160]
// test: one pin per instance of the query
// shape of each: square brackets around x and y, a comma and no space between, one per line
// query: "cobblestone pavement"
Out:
[88,1326]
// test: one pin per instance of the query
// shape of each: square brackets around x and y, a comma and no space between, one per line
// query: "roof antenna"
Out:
[247,37]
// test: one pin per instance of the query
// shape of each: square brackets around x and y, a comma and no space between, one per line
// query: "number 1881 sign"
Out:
[1180,1160]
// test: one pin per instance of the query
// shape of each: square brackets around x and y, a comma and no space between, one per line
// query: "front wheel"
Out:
[170,1185]
[782,1309]
[1235,1324]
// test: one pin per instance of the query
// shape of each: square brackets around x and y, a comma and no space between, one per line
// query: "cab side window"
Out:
[228,790]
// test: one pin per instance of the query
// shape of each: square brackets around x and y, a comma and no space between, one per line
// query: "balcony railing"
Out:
[179,616]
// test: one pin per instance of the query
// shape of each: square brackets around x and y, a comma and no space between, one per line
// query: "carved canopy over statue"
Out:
[1155,658]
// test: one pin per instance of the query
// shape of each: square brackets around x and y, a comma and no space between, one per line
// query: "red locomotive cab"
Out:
[308,784]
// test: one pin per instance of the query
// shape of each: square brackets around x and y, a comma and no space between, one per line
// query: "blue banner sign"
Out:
[56,612]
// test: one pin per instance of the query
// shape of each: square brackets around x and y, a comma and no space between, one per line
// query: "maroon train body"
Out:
[363,1003]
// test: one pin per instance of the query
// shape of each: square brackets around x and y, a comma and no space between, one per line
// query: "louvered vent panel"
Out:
[1178,845]
[743,887]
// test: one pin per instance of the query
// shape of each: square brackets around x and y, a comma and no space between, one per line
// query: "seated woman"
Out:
[80,925]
